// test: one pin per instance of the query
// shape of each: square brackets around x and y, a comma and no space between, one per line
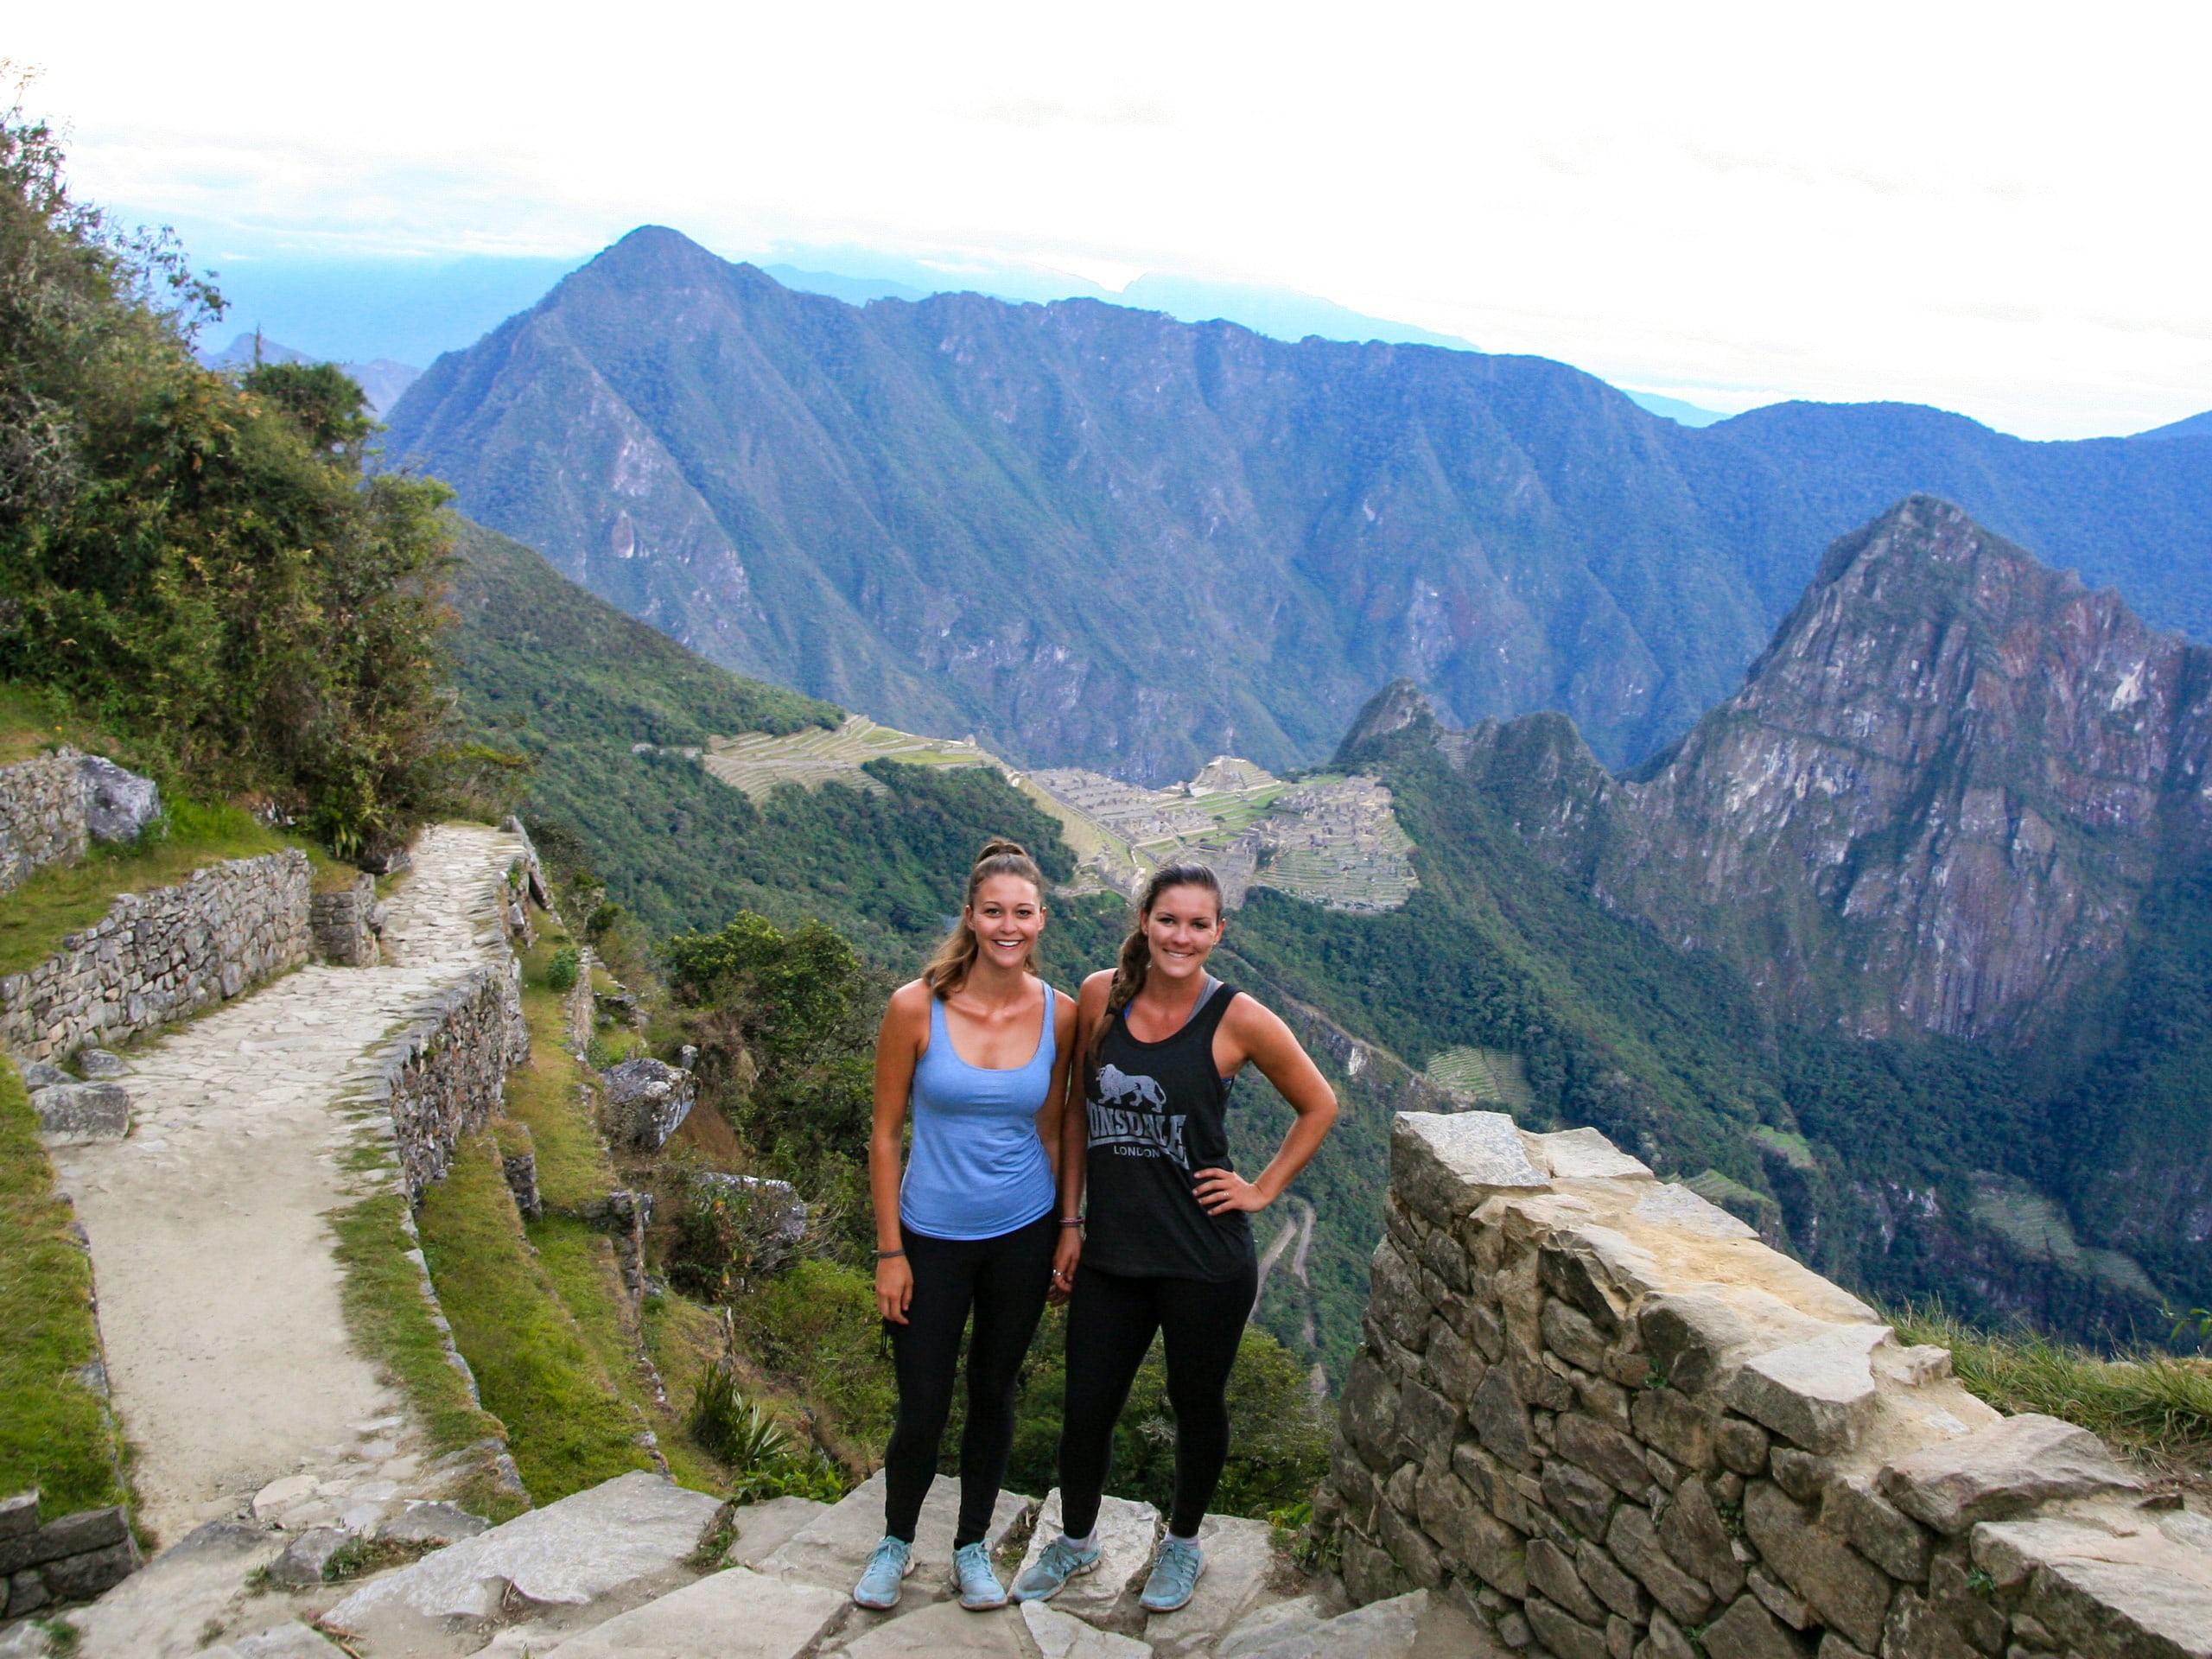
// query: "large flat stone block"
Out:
[1444,1163]
[2000,1471]
[833,1548]
[1107,1595]
[567,1554]
[738,1614]
[1818,1394]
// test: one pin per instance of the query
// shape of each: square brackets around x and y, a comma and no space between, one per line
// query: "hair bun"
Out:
[1000,847]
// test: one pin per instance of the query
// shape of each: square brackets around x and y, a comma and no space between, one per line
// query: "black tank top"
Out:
[1159,1115]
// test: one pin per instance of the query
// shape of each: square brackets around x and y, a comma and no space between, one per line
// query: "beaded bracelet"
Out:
[886,1256]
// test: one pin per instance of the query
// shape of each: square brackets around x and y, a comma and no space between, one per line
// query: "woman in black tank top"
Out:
[1167,1245]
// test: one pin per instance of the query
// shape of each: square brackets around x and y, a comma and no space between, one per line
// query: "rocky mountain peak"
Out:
[1398,707]
[1935,802]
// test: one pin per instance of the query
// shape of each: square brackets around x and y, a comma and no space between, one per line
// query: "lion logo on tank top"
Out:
[1126,1114]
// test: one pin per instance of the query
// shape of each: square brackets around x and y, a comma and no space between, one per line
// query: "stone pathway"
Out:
[219,1297]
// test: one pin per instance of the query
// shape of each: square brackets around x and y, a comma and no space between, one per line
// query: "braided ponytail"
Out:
[1134,964]
[948,967]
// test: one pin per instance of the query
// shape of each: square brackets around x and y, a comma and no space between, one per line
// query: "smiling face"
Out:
[1006,918]
[1182,928]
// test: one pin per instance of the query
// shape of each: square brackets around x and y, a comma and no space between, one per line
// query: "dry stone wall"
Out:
[442,1078]
[346,922]
[161,955]
[42,814]
[1601,1414]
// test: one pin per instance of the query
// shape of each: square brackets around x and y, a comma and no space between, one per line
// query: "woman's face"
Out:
[1182,927]
[1006,918]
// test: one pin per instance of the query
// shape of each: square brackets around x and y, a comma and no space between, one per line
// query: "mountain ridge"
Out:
[1235,540]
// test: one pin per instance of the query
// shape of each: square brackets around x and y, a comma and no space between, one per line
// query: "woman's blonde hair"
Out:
[949,968]
[1134,965]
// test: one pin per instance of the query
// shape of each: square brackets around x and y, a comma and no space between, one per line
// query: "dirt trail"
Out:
[218,1296]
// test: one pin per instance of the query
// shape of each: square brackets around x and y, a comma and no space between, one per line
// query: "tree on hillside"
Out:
[199,562]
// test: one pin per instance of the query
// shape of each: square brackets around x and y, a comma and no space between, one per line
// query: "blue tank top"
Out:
[976,1169]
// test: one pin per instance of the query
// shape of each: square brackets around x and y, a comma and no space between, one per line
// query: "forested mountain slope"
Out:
[1887,1162]
[600,707]
[1959,797]
[1936,801]
[1096,536]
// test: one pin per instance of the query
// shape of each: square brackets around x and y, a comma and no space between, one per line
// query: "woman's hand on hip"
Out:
[895,1288]
[1223,1191]
[1066,1255]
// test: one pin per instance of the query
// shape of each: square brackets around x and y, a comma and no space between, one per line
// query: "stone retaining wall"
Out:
[42,814]
[442,1078]
[73,1559]
[161,955]
[1599,1414]
[345,924]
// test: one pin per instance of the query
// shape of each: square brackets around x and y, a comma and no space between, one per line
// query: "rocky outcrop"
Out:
[1936,802]
[647,1100]
[161,956]
[1605,1418]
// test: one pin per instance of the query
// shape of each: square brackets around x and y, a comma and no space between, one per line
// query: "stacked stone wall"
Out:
[346,922]
[442,1078]
[42,814]
[161,955]
[1602,1415]
[72,1559]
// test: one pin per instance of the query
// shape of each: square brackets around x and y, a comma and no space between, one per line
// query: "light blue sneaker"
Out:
[980,1589]
[886,1573]
[1174,1578]
[1061,1561]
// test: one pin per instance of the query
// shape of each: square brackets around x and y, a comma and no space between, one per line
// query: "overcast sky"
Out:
[1999,209]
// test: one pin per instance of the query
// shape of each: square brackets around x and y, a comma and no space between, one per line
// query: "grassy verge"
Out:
[547,1096]
[54,1431]
[567,1427]
[2158,1405]
[64,898]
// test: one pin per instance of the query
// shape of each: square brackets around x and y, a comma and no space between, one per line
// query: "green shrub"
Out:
[561,972]
[733,1430]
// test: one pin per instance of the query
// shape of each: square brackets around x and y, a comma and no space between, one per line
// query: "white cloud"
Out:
[1994,208]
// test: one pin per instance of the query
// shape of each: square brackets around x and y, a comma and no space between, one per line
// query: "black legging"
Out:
[1005,1279]
[1111,1320]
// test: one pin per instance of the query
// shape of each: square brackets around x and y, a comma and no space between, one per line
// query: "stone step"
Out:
[1105,1597]
[763,1529]
[1240,1562]
[625,1533]
[737,1614]
[833,1548]
[943,1629]
[1062,1635]
[1418,1626]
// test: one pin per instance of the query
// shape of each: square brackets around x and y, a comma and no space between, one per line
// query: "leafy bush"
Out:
[561,972]
[727,1234]
[199,562]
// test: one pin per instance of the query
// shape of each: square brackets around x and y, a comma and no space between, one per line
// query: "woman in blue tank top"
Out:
[976,1051]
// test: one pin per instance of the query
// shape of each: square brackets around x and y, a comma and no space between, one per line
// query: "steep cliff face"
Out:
[1096,536]
[1936,801]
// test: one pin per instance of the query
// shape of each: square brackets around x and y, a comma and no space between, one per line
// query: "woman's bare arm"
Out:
[898,1046]
[1257,1034]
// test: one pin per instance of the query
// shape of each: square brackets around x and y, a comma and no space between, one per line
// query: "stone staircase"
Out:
[640,1568]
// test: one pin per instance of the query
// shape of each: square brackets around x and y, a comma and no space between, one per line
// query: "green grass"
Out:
[2156,1404]
[66,899]
[381,1292]
[54,1432]
[567,1428]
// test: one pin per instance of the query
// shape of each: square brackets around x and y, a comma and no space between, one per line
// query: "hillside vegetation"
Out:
[195,561]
